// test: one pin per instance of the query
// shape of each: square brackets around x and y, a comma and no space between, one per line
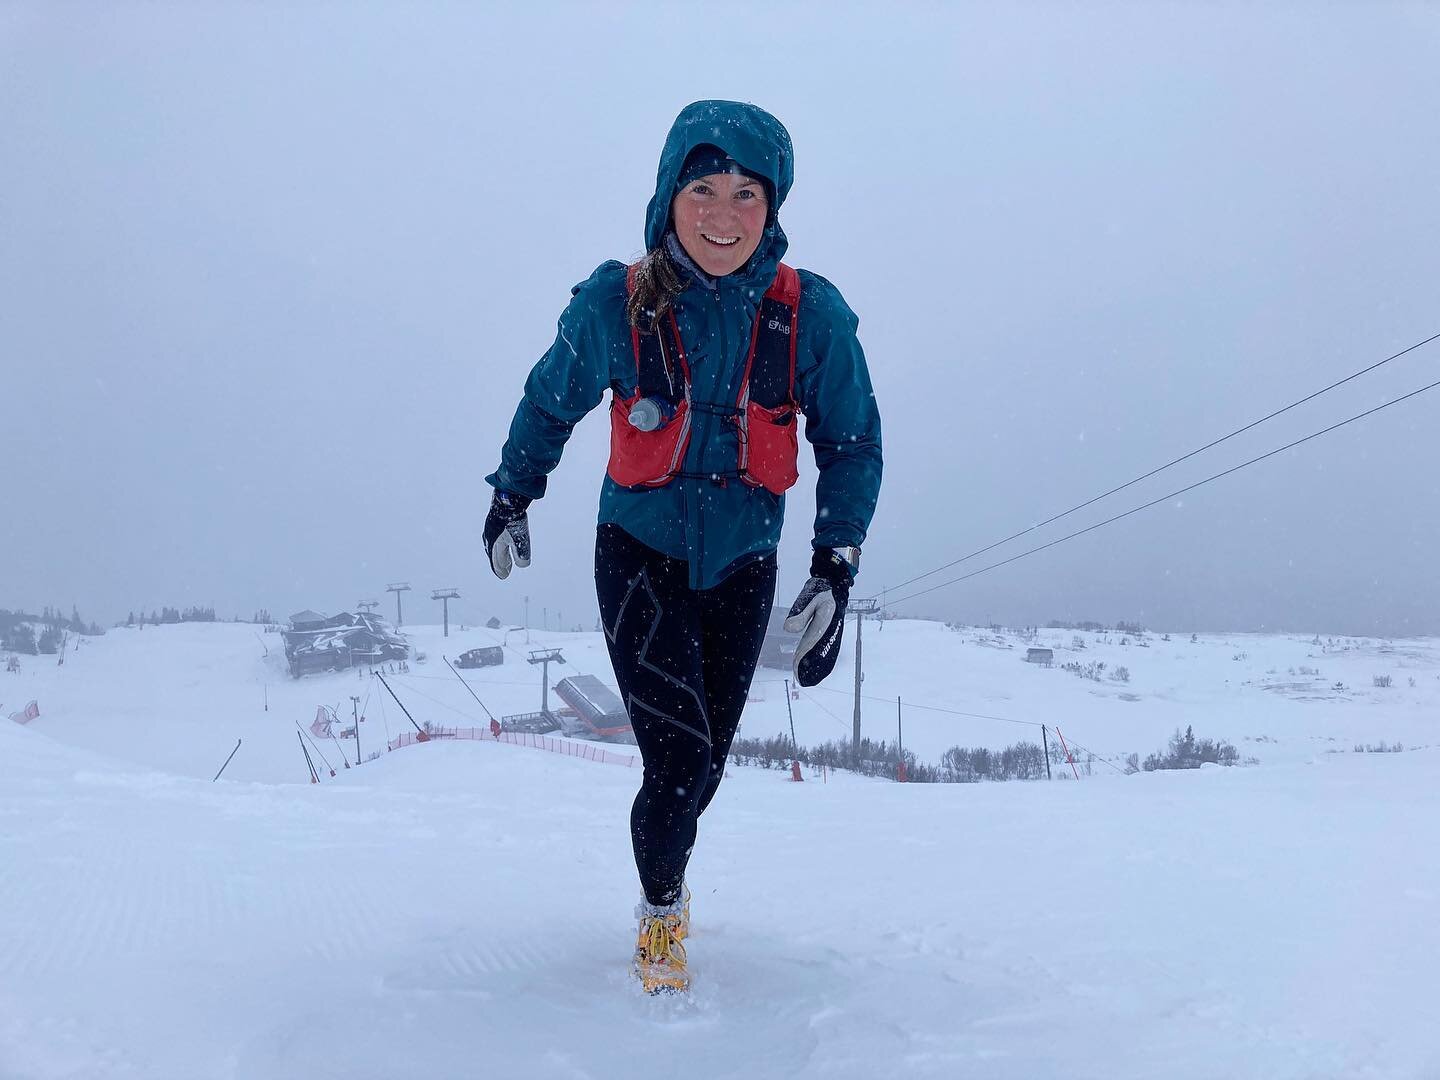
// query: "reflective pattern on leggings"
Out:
[684,659]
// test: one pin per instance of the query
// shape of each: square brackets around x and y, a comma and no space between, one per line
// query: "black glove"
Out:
[507,533]
[818,616]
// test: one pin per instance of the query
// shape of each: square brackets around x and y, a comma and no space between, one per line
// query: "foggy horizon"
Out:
[273,280]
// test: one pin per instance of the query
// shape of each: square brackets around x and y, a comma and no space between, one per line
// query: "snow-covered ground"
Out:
[463,909]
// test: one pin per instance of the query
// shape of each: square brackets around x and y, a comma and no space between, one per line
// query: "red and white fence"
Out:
[588,751]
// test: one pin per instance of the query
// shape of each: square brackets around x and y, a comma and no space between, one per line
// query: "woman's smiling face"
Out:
[719,220]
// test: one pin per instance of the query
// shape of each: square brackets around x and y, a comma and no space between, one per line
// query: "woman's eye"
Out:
[700,189]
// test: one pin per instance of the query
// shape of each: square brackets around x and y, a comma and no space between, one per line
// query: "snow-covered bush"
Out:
[1121,674]
[1382,681]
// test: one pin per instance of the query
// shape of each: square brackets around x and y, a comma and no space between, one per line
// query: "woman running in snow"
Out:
[710,346]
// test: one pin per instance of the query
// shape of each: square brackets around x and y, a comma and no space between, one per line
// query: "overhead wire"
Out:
[1163,498]
[930,708]
[383,718]
[820,705]
[435,700]
[1159,469]
[1098,757]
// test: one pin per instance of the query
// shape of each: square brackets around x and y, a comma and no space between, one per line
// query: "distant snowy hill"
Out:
[463,909]
[177,697]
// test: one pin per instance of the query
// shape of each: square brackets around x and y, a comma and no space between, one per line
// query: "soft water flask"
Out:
[649,413]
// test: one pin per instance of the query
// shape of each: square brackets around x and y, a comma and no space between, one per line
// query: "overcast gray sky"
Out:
[271,278]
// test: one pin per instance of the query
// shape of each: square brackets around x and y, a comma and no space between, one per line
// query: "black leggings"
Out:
[683,658]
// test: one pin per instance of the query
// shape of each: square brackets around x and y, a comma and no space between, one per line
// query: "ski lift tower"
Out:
[397,589]
[861,608]
[446,595]
[545,657]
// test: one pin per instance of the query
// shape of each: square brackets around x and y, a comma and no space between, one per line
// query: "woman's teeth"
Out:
[723,241]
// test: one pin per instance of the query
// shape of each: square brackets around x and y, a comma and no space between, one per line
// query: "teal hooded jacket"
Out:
[715,527]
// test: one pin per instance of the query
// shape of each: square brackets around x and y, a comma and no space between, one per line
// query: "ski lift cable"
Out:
[1164,498]
[1162,468]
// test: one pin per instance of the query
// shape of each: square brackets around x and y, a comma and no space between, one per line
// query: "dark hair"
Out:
[657,283]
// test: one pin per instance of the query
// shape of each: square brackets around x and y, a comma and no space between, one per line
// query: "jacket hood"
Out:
[751,136]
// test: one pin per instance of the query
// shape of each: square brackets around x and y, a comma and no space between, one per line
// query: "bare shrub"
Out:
[1093,670]
[1187,752]
[1121,674]
[970,765]
[1382,681]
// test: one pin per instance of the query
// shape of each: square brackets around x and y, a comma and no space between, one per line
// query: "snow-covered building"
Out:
[307,620]
[341,641]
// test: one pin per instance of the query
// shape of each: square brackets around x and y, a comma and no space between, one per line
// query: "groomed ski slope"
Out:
[463,910]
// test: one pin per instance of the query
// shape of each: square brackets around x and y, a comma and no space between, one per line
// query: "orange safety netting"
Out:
[568,747]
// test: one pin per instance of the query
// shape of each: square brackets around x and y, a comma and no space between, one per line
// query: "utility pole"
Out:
[355,713]
[902,770]
[861,608]
[545,657]
[794,742]
[397,589]
[446,595]
[527,620]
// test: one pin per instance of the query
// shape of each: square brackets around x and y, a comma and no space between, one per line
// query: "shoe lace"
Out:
[657,940]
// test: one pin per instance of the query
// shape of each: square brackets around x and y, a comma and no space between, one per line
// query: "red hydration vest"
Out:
[763,414]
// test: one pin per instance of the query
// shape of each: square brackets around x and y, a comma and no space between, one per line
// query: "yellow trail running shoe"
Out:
[659,955]
[682,931]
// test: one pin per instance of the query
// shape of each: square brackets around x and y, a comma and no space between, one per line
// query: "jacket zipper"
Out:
[722,364]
